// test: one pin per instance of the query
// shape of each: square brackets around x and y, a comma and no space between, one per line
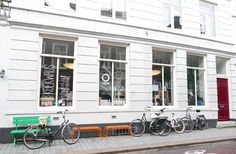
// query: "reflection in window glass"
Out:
[105,90]
[195,77]
[200,87]
[114,8]
[157,85]
[162,57]
[194,61]
[207,18]
[221,66]
[112,86]
[56,87]
[106,8]
[172,14]
[162,79]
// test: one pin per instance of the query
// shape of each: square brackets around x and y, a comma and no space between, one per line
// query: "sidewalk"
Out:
[116,144]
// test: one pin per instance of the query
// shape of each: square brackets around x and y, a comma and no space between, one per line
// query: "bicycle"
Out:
[176,124]
[37,135]
[200,122]
[138,126]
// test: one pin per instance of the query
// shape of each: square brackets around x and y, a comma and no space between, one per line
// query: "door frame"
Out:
[229,93]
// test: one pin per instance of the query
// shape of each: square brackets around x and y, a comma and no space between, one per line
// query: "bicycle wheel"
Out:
[70,133]
[202,123]
[162,127]
[189,124]
[35,138]
[179,126]
[137,127]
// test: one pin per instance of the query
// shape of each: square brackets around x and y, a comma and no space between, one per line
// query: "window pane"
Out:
[195,61]
[48,81]
[220,66]
[119,84]
[202,24]
[168,90]
[162,57]
[200,87]
[191,87]
[120,9]
[61,4]
[111,52]
[157,85]
[177,18]
[167,16]
[58,47]
[65,83]
[211,25]
[105,88]
[106,8]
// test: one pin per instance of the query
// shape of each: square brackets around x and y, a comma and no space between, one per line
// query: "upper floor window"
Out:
[195,78]
[112,85]
[68,5]
[207,18]
[172,14]
[162,78]
[113,8]
[56,83]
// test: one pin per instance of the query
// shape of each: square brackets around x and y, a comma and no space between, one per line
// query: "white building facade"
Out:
[105,60]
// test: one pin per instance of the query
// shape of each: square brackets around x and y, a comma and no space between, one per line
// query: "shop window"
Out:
[112,85]
[195,78]
[221,66]
[56,84]
[113,8]
[172,14]
[207,18]
[69,5]
[162,78]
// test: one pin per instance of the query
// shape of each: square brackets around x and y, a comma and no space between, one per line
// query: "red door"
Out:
[223,99]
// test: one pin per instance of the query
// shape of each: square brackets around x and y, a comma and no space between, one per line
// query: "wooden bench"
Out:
[91,128]
[115,127]
[21,124]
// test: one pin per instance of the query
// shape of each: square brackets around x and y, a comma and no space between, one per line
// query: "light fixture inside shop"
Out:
[69,65]
[156,72]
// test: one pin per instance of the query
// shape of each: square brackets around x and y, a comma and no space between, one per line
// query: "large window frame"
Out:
[195,92]
[207,18]
[119,101]
[172,14]
[163,95]
[110,8]
[56,58]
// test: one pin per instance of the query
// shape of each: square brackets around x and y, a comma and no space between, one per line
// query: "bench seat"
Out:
[91,128]
[21,124]
[115,127]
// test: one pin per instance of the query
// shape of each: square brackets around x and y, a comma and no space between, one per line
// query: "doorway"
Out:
[223,99]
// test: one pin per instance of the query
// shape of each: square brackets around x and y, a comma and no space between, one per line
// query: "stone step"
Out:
[225,124]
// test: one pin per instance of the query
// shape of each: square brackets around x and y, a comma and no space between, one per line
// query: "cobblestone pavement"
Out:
[117,144]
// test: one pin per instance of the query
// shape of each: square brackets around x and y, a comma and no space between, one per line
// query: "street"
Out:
[228,147]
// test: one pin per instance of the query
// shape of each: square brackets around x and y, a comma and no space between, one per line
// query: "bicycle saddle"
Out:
[158,114]
[198,110]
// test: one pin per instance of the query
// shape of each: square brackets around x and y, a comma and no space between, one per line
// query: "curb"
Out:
[154,146]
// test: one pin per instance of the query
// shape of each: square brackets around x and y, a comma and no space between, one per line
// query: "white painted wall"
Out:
[142,31]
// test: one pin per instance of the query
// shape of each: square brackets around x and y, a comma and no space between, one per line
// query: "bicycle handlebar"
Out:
[162,110]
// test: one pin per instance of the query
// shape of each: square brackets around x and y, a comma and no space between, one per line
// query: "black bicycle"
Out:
[156,125]
[200,122]
[37,135]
